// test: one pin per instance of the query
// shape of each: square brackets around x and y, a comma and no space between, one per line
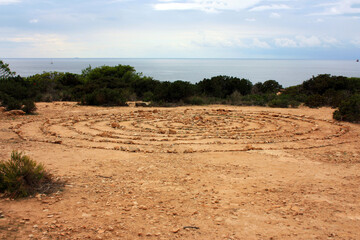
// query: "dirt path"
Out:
[213,172]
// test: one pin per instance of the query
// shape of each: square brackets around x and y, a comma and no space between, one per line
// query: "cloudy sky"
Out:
[310,29]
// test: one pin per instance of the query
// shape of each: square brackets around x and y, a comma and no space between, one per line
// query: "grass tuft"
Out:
[21,176]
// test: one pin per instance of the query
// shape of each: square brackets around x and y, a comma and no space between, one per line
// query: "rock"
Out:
[2,109]
[86,215]
[142,207]
[171,131]
[115,125]
[190,150]
[175,230]
[15,113]
[134,149]
[38,196]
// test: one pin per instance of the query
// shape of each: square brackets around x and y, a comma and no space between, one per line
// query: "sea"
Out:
[286,72]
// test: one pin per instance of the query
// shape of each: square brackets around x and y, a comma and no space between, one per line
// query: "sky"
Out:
[271,29]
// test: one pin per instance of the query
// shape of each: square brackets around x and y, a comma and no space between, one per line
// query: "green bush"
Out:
[349,110]
[29,106]
[315,101]
[195,100]
[21,176]
[279,103]
[11,103]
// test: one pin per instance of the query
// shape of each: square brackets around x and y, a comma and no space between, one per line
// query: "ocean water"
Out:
[286,72]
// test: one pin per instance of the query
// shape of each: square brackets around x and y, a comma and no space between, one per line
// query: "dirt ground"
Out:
[212,172]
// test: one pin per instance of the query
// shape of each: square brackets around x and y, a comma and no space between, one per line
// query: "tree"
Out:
[5,71]
[271,86]
[223,86]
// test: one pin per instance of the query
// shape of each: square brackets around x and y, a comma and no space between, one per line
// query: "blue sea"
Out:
[286,72]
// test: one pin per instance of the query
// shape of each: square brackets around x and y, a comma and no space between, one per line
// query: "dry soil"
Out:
[213,172]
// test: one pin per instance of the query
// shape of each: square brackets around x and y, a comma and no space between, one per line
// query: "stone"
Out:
[142,207]
[86,215]
[175,230]
[190,150]
[15,113]
[134,149]
[171,131]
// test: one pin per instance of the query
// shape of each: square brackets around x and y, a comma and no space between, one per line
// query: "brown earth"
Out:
[214,172]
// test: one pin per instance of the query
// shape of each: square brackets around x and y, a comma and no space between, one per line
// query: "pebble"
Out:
[134,149]
[142,207]
[86,215]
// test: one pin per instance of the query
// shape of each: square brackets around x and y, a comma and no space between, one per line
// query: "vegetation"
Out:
[5,71]
[21,176]
[349,110]
[114,85]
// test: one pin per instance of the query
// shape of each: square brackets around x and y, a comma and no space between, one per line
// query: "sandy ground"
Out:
[214,172]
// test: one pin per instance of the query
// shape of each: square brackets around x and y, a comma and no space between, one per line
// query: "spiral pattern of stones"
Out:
[188,131]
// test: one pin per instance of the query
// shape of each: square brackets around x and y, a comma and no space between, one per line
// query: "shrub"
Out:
[278,102]
[29,106]
[11,103]
[21,176]
[349,110]
[195,100]
[315,101]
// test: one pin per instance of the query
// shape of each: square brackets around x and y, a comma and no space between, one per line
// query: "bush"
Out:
[105,96]
[21,176]
[349,110]
[10,103]
[278,102]
[315,101]
[195,100]
[29,106]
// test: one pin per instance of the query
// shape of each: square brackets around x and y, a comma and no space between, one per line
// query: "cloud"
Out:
[204,5]
[270,7]
[312,41]
[7,2]
[274,15]
[356,43]
[304,42]
[285,42]
[250,19]
[260,44]
[340,7]
[34,21]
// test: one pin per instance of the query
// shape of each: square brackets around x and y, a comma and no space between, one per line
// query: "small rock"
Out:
[142,207]
[134,149]
[175,230]
[86,215]
[190,150]
[171,131]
